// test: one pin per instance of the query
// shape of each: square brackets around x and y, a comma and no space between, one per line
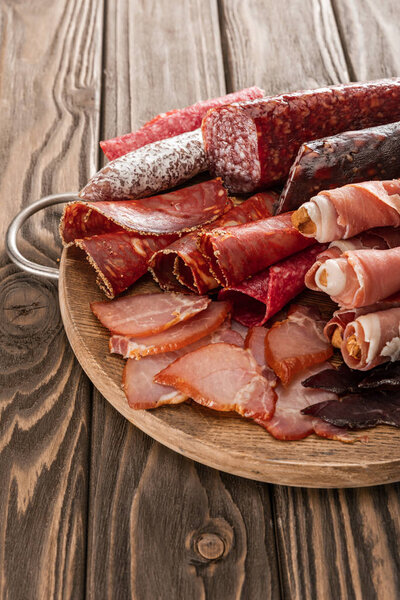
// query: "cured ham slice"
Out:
[172,123]
[174,212]
[175,337]
[181,265]
[380,238]
[337,324]
[121,257]
[255,342]
[259,298]
[359,411]
[223,377]
[360,277]
[140,389]
[147,314]
[372,339]
[288,423]
[346,211]
[235,253]
[296,343]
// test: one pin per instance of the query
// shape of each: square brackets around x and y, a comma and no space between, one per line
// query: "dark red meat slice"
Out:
[174,212]
[182,265]
[339,381]
[348,157]
[253,144]
[120,258]
[235,253]
[146,314]
[259,298]
[172,123]
[359,411]
[223,377]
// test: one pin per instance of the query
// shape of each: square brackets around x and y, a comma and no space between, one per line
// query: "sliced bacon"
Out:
[237,252]
[140,389]
[288,423]
[147,314]
[171,123]
[121,257]
[372,339]
[176,337]
[360,277]
[346,211]
[257,299]
[223,377]
[181,265]
[173,212]
[296,343]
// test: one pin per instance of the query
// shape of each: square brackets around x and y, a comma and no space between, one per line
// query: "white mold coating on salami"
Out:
[148,170]
[238,163]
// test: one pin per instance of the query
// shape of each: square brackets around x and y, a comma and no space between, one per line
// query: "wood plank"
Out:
[158,521]
[337,543]
[49,76]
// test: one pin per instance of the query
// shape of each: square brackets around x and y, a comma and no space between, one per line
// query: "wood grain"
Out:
[49,73]
[150,508]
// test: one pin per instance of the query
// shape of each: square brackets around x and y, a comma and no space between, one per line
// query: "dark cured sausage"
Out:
[181,265]
[172,123]
[235,253]
[334,161]
[253,144]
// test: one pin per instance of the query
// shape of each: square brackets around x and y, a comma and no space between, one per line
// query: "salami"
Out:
[253,144]
[235,253]
[173,212]
[152,169]
[120,258]
[347,211]
[348,157]
[172,123]
[360,277]
[181,265]
[259,298]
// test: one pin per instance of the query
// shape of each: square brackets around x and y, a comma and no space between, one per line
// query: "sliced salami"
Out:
[348,157]
[253,144]
[259,298]
[152,169]
[235,253]
[181,265]
[172,123]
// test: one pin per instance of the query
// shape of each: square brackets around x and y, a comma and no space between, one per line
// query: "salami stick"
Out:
[348,157]
[172,123]
[253,144]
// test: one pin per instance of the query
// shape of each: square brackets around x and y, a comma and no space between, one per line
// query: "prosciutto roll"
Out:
[259,298]
[344,212]
[253,144]
[380,238]
[181,265]
[360,277]
[174,212]
[235,253]
[372,339]
[172,123]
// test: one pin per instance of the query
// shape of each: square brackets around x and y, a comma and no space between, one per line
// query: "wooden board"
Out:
[227,441]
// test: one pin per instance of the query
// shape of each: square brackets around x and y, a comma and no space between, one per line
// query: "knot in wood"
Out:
[210,546]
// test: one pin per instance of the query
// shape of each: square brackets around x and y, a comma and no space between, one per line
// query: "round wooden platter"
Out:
[221,440]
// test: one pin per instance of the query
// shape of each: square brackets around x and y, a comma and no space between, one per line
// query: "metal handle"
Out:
[16,224]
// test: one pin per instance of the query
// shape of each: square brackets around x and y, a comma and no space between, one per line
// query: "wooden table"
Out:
[88,504]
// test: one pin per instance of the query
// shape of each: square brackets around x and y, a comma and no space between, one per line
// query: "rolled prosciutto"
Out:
[360,277]
[235,253]
[181,265]
[346,211]
[257,299]
[380,238]
[372,339]
[172,123]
